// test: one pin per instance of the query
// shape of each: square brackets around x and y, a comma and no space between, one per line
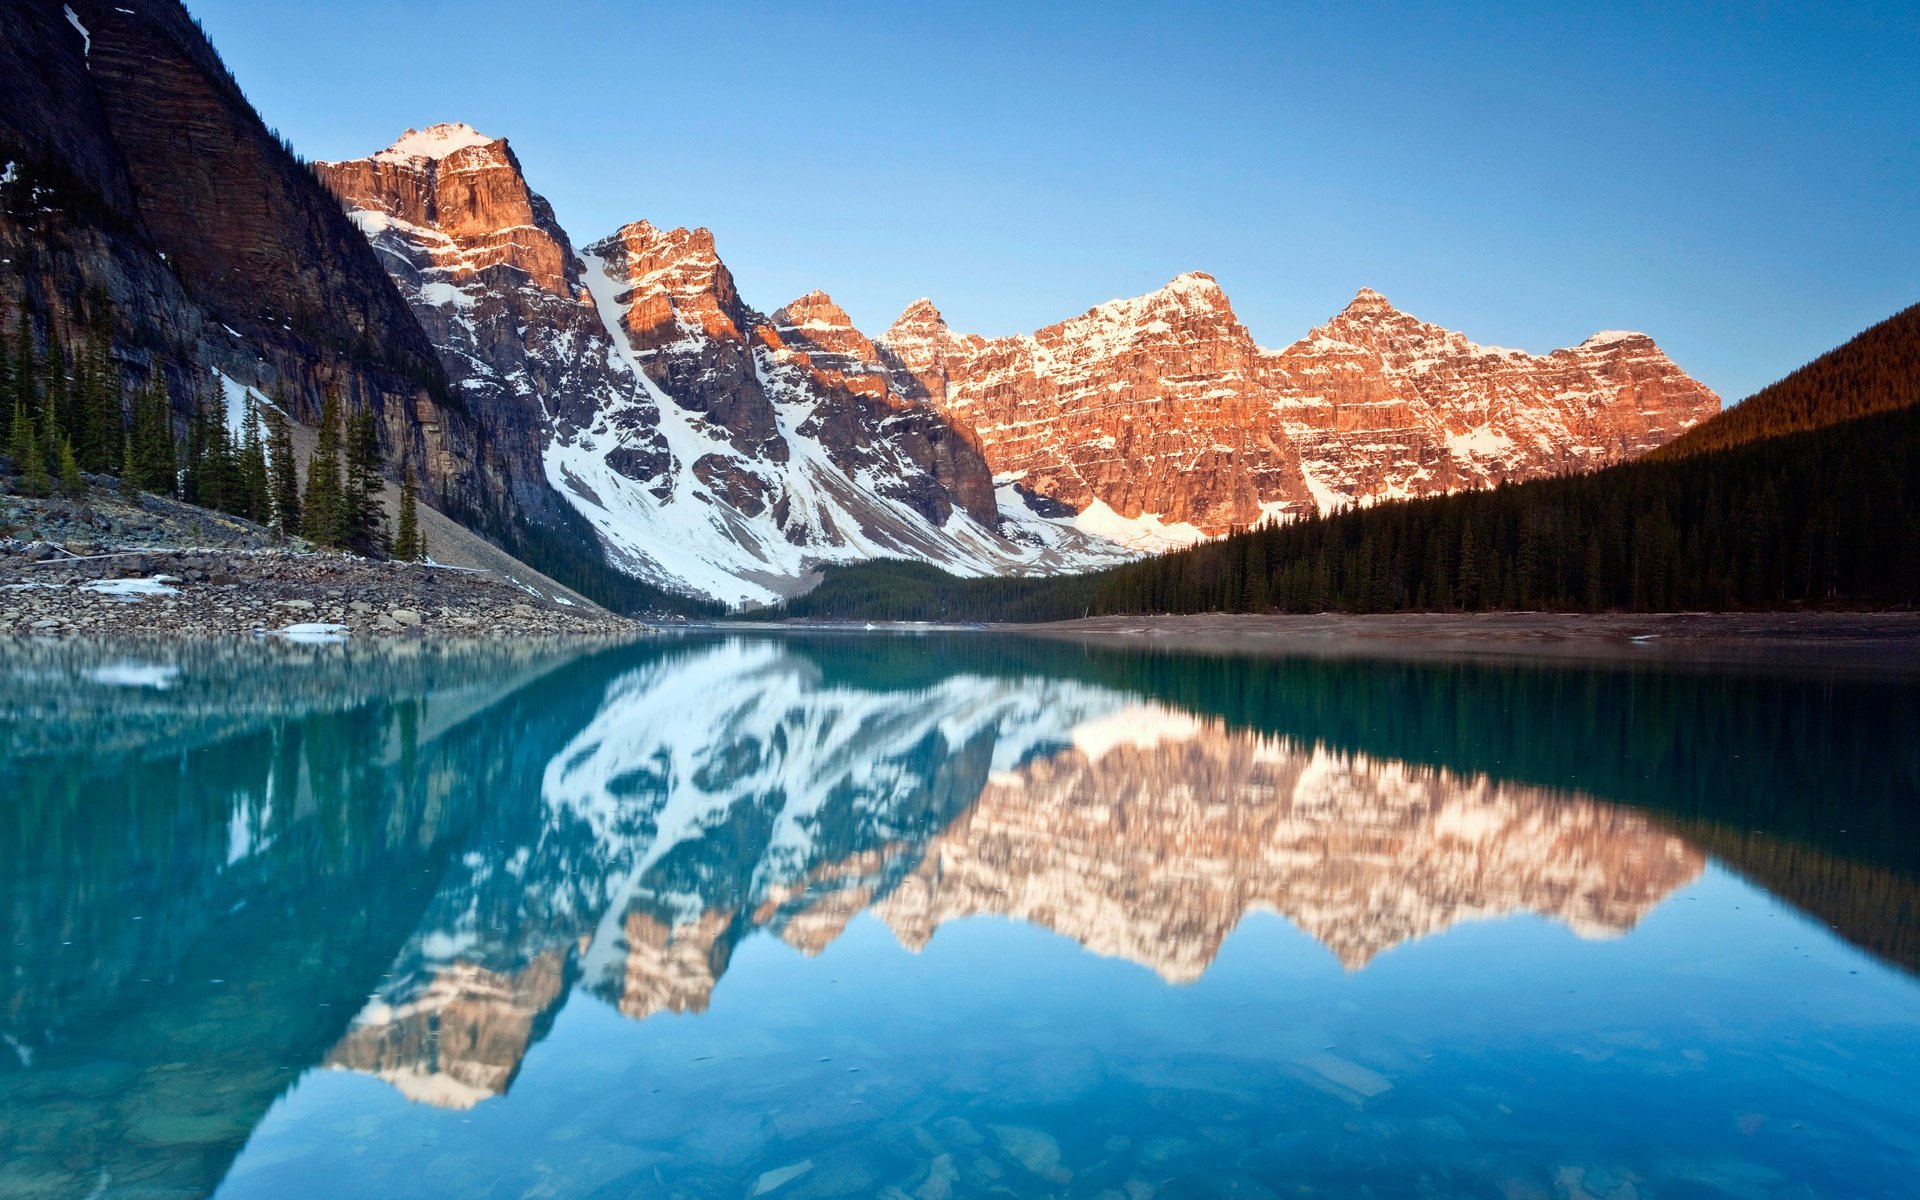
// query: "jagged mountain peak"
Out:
[814,311]
[680,239]
[1195,284]
[437,141]
[1140,424]
[1367,301]
[1194,292]
[1194,298]
[918,320]
[1608,339]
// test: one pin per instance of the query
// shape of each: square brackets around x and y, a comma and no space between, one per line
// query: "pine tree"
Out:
[324,520]
[25,365]
[55,410]
[407,543]
[199,486]
[21,435]
[257,502]
[99,449]
[283,484]
[73,485]
[151,458]
[129,469]
[31,462]
[213,472]
[366,522]
[6,378]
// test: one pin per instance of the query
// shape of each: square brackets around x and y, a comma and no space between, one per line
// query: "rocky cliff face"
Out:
[1146,406]
[1384,405]
[1160,421]
[492,278]
[143,192]
[707,447]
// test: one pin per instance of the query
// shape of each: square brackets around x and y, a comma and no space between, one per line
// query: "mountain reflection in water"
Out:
[405,865]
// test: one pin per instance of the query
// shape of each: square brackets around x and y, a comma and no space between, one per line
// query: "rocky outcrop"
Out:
[839,361]
[1160,418]
[1144,406]
[1382,404]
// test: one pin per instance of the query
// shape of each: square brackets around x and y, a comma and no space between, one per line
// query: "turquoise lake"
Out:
[951,915]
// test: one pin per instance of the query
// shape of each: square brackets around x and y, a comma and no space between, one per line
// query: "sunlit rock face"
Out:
[737,789]
[711,449]
[1160,415]
[1146,406]
[803,381]
[1384,405]
[496,284]
[721,451]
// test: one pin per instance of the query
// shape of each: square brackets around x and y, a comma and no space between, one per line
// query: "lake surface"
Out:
[950,916]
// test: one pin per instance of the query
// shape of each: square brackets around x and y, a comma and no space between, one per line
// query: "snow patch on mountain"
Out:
[676,532]
[435,141]
[1146,532]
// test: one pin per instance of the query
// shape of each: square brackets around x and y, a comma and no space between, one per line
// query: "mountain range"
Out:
[616,414]
[724,450]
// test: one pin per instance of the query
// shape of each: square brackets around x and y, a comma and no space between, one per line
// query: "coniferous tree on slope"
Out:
[283,485]
[251,471]
[55,409]
[73,484]
[409,544]
[366,521]
[209,473]
[150,460]
[98,447]
[24,451]
[323,515]
[26,365]
[6,370]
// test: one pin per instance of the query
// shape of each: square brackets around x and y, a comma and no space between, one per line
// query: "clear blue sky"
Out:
[1742,181]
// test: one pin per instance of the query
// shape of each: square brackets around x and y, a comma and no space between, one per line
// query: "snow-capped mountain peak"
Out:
[436,142]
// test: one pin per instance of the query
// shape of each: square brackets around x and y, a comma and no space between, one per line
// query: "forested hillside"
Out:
[1875,372]
[1826,513]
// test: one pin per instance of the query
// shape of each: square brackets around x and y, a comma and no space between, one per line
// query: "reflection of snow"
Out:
[742,787]
[680,749]
[134,675]
[314,633]
[1142,726]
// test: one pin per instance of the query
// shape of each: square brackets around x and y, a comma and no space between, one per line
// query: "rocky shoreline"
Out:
[218,593]
[159,569]
[1878,642]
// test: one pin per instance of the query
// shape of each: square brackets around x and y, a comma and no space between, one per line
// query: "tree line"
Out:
[70,416]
